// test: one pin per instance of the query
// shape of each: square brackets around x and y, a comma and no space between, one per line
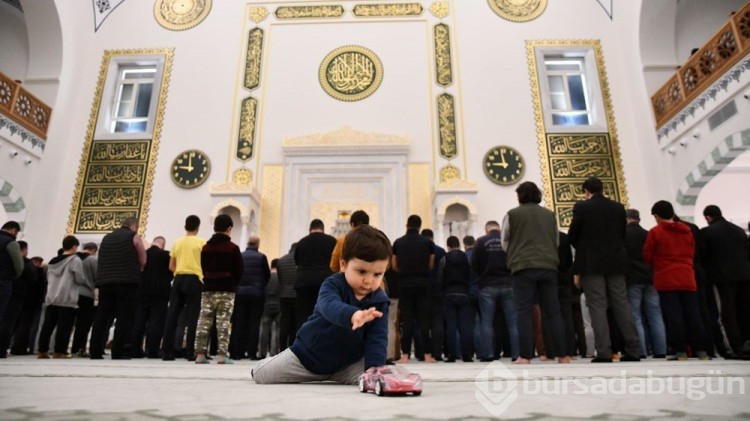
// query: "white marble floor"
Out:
[81,389]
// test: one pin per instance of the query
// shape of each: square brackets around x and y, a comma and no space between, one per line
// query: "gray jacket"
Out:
[64,274]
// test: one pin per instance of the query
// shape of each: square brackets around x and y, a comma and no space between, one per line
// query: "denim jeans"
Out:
[643,298]
[459,318]
[489,297]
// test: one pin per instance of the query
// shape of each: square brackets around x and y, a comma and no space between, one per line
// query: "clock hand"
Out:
[189,166]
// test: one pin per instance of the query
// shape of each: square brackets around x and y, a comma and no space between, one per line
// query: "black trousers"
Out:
[9,321]
[26,329]
[150,317]
[62,319]
[414,308]
[735,308]
[288,324]
[683,320]
[184,298]
[115,301]
[248,312]
[84,319]
[305,304]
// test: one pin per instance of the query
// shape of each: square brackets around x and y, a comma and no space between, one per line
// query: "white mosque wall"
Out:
[491,85]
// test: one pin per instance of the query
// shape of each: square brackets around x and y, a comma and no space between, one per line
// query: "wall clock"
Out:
[503,165]
[190,169]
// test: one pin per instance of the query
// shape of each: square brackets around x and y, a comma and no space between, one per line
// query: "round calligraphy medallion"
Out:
[179,15]
[242,176]
[518,10]
[350,73]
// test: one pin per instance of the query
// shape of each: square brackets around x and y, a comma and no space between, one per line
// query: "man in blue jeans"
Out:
[495,287]
[641,293]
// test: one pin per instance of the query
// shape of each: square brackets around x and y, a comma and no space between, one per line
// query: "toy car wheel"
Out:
[417,393]
[379,388]
[362,385]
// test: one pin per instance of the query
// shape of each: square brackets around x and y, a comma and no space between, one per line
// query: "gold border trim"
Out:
[595,45]
[168,54]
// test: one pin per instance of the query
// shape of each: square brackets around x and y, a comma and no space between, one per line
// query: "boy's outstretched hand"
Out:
[360,317]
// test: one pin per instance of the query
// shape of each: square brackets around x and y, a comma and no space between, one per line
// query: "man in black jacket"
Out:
[597,232]
[11,262]
[312,256]
[153,300]
[727,267]
[248,302]
[122,257]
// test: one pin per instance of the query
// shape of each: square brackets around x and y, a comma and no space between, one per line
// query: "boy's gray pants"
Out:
[285,367]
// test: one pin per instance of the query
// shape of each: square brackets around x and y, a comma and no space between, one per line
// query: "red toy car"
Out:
[390,379]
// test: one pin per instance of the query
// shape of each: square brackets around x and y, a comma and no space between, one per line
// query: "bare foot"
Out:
[520,360]
[403,360]
[564,360]
[544,358]
[428,358]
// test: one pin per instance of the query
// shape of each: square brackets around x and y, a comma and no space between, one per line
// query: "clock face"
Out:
[503,165]
[190,169]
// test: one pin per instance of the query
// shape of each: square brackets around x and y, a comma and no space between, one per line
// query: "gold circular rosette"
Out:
[518,10]
[350,73]
[179,15]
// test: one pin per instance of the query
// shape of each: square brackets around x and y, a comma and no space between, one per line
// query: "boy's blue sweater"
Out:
[326,343]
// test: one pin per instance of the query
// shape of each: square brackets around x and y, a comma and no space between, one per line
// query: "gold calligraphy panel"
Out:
[114,184]
[447,126]
[103,173]
[379,10]
[443,62]
[350,73]
[571,159]
[246,140]
[306,12]
[253,59]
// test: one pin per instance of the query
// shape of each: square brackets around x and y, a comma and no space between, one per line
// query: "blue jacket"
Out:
[255,275]
[326,343]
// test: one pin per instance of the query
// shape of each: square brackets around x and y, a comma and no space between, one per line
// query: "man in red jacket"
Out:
[669,249]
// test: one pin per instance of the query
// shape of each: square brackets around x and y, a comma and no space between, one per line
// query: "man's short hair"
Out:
[129,222]
[358,218]
[428,233]
[222,223]
[491,224]
[253,241]
[366,243]
[414,221]
[192,223]
[593,185]
[713,211]
[91,246]
[37,259]
[69,242]
[663,210]
[11,225]
[452,242]
[528,192]
[23,245]
[469,240]
[274,263]
[317,224]
[633,214]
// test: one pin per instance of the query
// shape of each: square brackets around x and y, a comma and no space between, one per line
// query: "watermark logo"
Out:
[496,388]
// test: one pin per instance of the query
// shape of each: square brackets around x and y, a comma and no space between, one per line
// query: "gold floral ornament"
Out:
[179,15]
[449,173]
[242,176]
[6,92]
[440,9]
[258,14]
[350,73]
[518,10]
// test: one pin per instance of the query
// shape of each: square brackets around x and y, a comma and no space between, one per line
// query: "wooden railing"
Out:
[728,46]
[21,106]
